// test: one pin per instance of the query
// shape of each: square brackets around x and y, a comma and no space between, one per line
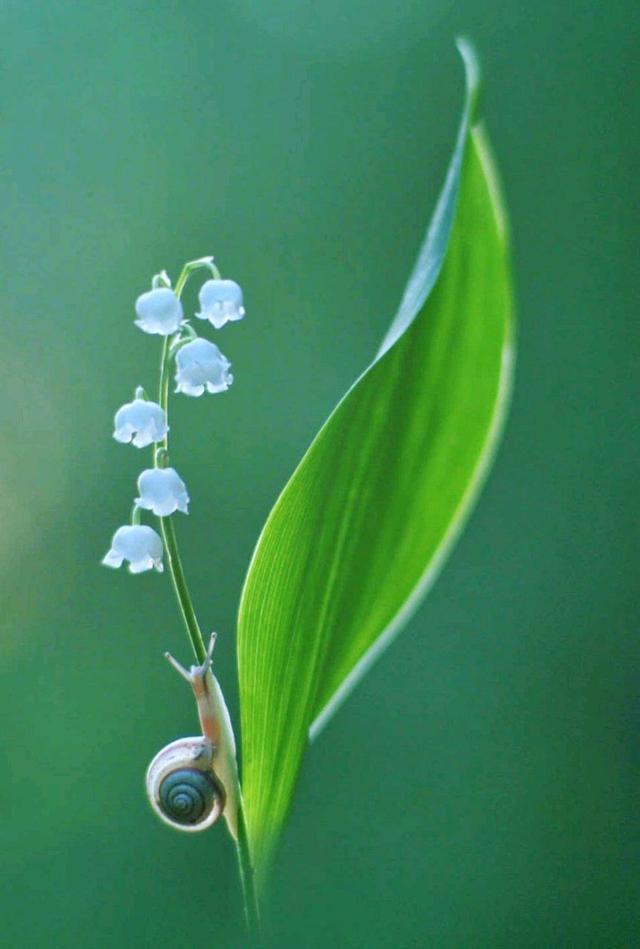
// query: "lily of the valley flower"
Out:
[162,491]
[221,302]
[140,545]
[159,311]
[141,422]
[201,365]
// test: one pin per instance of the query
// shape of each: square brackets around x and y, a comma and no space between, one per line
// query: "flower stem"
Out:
[181,590]
[185,605]
[247,878]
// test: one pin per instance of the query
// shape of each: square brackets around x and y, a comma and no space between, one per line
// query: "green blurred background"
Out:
[480,788]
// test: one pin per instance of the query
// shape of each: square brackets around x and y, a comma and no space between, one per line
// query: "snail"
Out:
[193,781]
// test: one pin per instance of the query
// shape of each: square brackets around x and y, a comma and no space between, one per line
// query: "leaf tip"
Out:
[473,73]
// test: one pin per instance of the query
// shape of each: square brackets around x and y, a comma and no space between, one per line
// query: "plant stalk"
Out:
[185,605]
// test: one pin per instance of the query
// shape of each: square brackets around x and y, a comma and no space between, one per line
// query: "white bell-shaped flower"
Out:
[201,365]
[159,311]
[141,422]
[140,545]
[221,302]
[162,491]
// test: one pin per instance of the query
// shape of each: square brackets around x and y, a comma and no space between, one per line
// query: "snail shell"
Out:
[192,781]
[182,787]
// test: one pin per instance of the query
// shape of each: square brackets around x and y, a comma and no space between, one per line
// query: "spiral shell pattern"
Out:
[182,786]
[187,795]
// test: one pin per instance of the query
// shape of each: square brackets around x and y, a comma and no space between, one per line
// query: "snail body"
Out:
[191,782]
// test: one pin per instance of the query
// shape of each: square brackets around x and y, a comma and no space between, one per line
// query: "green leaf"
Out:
[368,517]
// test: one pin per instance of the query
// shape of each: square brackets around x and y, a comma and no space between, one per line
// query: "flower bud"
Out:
[159,311]
[221,302]
[140,422]
[162,491]
[140,545]
[201,365]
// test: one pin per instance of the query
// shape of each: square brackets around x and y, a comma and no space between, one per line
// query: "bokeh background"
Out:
[304,144]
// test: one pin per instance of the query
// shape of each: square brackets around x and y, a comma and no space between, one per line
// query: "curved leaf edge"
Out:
[431,257]
[467,502]
[424,275]
[423,278]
